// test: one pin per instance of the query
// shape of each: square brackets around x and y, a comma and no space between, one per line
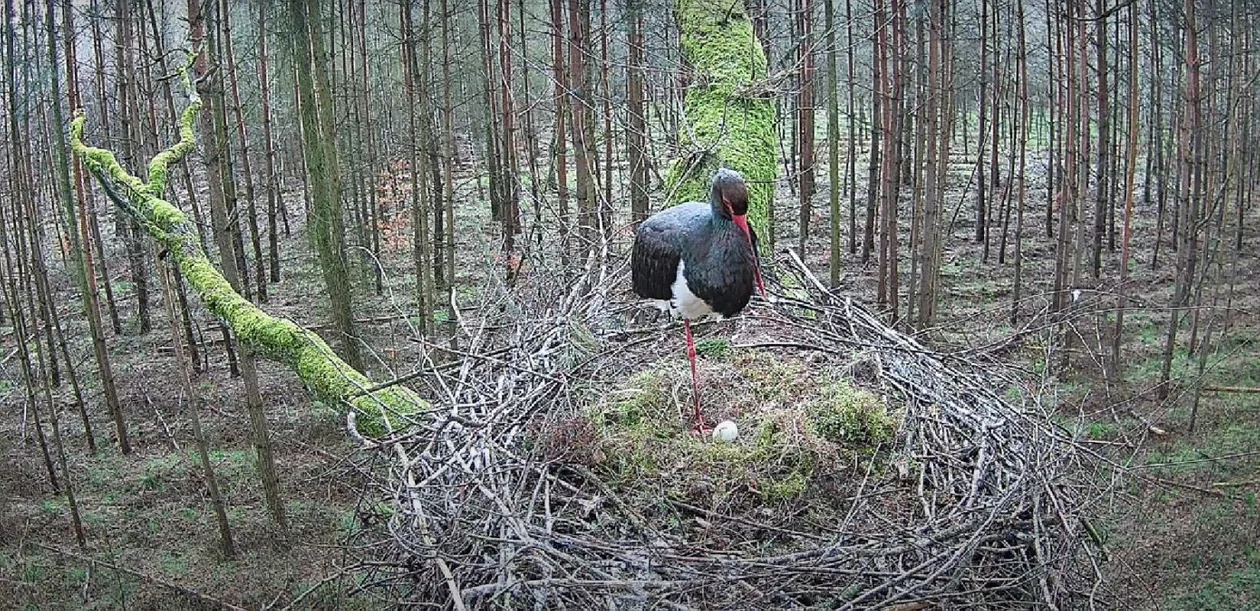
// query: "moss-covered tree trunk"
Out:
[728,122]
[277,339]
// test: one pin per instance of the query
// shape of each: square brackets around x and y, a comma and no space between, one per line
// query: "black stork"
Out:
[699,259]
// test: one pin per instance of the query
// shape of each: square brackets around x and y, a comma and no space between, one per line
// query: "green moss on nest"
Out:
[800,431]
[849,416]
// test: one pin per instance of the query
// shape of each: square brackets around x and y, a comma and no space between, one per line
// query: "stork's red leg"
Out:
[695,379]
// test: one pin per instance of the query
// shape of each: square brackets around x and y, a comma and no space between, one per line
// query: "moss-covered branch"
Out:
[725,125]
[273,338]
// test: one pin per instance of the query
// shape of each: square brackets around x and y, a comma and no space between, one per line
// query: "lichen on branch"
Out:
[724,126]
[277,339]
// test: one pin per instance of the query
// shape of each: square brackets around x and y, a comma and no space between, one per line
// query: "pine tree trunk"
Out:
[851,155]
[320,146]
[559,63]
[833,141]
[636,136]
[275,202]
[419,195]
[805,108]
[1123,288]
[194,406]
[1024,115]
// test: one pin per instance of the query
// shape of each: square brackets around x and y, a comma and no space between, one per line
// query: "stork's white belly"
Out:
[684,303]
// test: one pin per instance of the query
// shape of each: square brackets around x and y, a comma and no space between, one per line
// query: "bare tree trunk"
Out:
[12,299]
[59,446]
[833,141]
[450,156]
[805,110]
[1102,199]
[560,74]
[636,138]
[851,156]
[251,210]
[66,197]
[510,161]
[1188,200]
[1024,119]
[194,406]
[531,148]
[583,130]
[606,202]
[936,162]
[419,195]
[275,202]
[981,201]
[202,27]
[126,90]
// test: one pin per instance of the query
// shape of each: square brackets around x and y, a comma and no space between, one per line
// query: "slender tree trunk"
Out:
[560,73]
[275,203]
[251,210]
[202,27]
[851,156]
[531,135]
[833,141]
[1102,199]
[11,299]
[583,131]
[1184,233]
[450,157]
[606,202]
[510,164]
[194,406]
[636,137]
[66,197]
[1123,288]
[805,110]
[128,116]
[1024,119]
[320,146]
[67,482]
[419,195]
[94,246]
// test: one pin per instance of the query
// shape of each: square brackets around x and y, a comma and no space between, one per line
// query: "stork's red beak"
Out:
[742,221]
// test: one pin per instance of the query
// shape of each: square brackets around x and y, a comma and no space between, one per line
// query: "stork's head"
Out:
[729,198]
[730,194]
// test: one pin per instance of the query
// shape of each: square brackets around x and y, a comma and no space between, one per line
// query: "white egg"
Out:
[726,431]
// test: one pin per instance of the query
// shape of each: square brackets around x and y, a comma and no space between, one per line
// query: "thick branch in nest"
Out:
[277,339]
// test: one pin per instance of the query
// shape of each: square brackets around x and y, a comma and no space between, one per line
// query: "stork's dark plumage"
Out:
[698,259]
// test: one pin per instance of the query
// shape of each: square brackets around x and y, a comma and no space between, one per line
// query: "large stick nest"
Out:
[527,490]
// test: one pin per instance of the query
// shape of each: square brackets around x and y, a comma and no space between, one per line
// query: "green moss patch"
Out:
[802,433]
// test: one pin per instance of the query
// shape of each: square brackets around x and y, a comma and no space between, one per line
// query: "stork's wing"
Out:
[654,259]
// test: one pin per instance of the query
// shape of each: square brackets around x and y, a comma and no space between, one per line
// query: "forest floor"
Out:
[1181,527]
[1180,520]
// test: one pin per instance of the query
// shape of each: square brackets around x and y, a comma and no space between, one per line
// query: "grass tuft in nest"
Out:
[849,416]
[713,348]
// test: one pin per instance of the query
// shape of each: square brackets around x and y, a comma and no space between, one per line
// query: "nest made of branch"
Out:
[870,471]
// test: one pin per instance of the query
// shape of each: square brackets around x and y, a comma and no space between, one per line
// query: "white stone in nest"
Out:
[726,431]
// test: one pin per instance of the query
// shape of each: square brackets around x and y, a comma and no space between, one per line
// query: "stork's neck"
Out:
[718,208]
